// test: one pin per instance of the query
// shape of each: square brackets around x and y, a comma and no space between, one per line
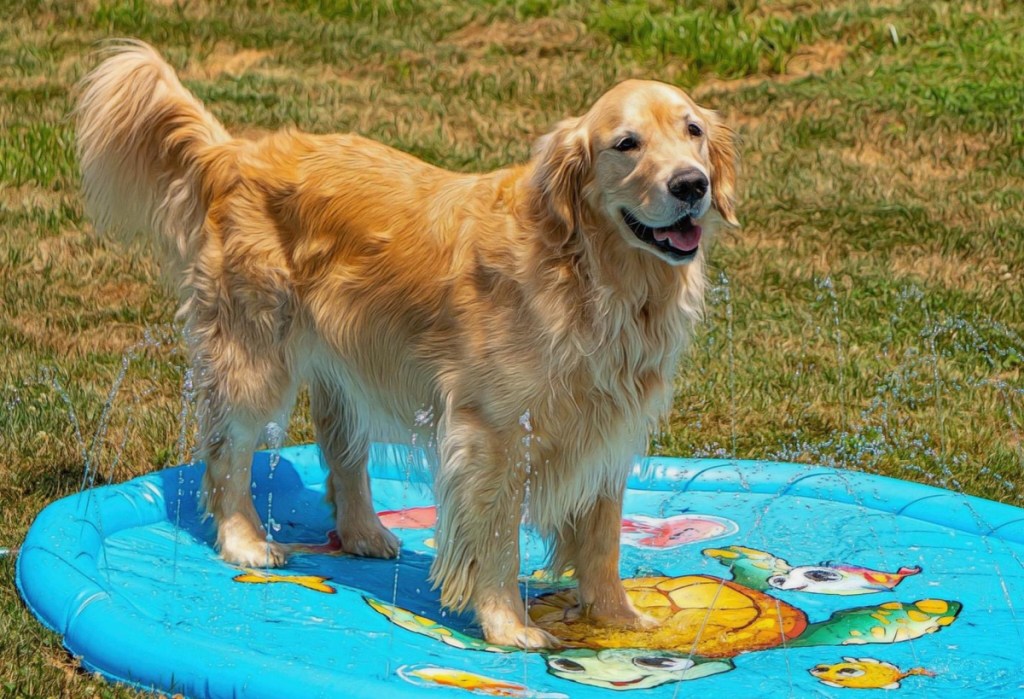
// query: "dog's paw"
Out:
[504,621]
[253,553]
[623,616]
[644,622]
[522,636]
[371,541]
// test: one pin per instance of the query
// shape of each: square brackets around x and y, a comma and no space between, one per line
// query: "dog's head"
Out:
[648,162]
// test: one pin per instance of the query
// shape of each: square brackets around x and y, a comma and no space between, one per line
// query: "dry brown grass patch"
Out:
[64,248]
[788,9]
[970,272]
[30,197]
[938,157]
[902,165]
[540,37]
[110,338]
[814,59]
[225,60]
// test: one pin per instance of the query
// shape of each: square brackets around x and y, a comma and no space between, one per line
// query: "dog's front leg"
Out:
[591,544]
[480,491]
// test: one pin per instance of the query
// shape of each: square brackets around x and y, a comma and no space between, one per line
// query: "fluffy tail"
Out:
[141,136]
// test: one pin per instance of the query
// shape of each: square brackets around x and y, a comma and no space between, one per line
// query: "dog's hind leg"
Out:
[230,434]
[345,448]
[241,537]
[243,385]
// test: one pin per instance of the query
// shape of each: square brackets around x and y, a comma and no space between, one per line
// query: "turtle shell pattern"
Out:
[697,614]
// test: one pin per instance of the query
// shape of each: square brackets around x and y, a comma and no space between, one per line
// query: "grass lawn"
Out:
[869,314]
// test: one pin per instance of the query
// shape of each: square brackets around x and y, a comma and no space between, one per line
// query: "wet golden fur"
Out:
[393,288]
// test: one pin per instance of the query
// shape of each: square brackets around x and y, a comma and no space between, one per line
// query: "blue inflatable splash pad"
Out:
[770,579]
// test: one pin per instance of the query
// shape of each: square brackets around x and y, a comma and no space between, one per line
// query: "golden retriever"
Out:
[537,312]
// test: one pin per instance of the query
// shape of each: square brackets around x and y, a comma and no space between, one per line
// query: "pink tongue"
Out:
[681,240]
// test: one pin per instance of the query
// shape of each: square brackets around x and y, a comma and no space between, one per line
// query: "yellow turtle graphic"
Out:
[705,623]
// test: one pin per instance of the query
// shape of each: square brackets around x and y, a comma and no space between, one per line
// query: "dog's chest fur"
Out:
[617,387]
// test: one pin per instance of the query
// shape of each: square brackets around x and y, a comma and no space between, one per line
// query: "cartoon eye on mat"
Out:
[660,662]
[566,665]
[802,578]
[842,671]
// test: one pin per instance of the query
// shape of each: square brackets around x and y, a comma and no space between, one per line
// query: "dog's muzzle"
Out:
[680,239]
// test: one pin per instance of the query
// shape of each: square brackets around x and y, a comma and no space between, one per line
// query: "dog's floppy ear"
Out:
[722,148]
[560,168]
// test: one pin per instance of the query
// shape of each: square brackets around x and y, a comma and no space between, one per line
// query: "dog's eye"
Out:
[627,143]
[695,130]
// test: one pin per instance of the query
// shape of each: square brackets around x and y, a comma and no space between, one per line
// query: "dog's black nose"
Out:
[689,185]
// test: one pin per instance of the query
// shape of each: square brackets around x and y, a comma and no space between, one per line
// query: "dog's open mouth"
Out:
[679,239]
